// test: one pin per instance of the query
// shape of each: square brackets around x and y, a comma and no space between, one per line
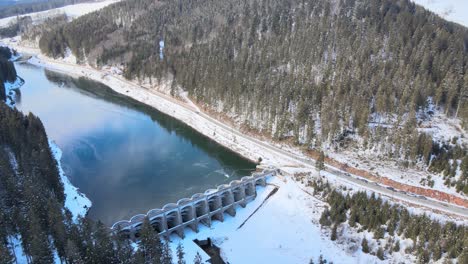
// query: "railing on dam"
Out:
[201,208]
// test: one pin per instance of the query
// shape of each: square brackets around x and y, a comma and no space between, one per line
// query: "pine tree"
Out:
[39,248]
[198,259]
[166,257]
[396,248]
[150,244]
[319,164]
[104,246]
[325,218]
[180,254]
[322,260]
[365,246]
[333,236]
[379,233]
[72,253]
[123,249]
[380,253]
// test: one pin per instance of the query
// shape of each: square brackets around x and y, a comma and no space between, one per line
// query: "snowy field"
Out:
[451,10]
[72,11]
[285,229]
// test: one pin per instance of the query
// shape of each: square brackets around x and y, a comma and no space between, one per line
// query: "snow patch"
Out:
[69,57]
[17,249]
[11,91]
[285,229]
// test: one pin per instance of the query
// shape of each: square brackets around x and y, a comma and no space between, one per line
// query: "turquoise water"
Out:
[126,157]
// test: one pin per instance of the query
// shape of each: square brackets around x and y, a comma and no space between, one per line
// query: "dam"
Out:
[201,208]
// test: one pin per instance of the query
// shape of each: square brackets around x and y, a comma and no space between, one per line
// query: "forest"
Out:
[431,240]
[315,73]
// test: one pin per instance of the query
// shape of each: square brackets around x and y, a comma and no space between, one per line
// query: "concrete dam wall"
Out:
[201,208]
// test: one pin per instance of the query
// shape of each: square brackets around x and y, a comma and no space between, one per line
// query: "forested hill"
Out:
[311,71]
[7,70]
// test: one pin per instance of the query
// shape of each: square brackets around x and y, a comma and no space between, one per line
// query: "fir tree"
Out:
[198,259]
[319,164]
[180,254]
[365,246]
[380,253]
[150,248]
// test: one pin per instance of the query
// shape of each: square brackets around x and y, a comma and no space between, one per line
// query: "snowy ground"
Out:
[451,10]
[286,229]
[72,11]
[437,124]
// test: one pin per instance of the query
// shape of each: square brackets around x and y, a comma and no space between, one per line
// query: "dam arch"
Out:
[201,208]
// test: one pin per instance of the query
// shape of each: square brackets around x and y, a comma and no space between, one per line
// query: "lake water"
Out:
[125,156]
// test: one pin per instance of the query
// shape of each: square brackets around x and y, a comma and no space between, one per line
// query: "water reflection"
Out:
[125,156]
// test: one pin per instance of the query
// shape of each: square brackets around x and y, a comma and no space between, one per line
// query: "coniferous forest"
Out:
[431,238]
[312,72]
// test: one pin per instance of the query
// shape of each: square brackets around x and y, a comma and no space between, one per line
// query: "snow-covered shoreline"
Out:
[11,90]
[75,201]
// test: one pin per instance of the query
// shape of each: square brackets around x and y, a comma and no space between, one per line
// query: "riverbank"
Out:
[75,201]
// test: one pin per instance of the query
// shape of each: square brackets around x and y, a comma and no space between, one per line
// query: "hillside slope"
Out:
[358,75]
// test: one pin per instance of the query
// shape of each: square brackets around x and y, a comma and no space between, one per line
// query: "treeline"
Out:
[32,207]
[432,240]
[311,71]
[31,191]
[15,27]
[7,70]
[37,6]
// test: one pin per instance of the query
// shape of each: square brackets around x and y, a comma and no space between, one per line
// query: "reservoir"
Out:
[126,157]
